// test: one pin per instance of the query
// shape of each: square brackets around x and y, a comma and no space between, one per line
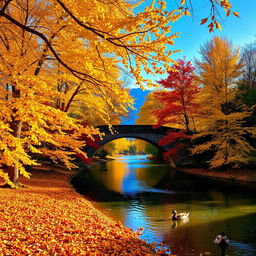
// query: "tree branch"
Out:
[76,73]
[5,5]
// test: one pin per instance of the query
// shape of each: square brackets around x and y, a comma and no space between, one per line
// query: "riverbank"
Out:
[48,217]
[242,175]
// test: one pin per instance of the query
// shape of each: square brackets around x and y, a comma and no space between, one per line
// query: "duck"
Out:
[222,241]
[179,216]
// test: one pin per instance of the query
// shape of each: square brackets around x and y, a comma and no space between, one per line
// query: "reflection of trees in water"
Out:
[153,175]
[104,181]
[110,179]
[85,184]
[113,178]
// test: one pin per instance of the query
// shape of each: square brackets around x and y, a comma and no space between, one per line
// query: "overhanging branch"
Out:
[76,73]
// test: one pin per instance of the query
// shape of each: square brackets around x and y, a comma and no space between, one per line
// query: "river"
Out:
[141,193]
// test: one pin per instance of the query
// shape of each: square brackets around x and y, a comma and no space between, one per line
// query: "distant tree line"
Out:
[213,103]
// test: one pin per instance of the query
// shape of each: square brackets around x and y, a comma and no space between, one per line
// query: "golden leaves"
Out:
[217,25]
[49,218]
[225,4]
[212,24]
[96,38]
[236,14]
[213,19]
[218,70]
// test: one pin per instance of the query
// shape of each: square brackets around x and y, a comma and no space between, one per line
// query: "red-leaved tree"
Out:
[178,104]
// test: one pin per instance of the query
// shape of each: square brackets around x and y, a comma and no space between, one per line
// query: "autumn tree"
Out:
[28,122]
[57,54]
[145,113]
[32,81]
[179,98]
[222,122]
[175,106]
[247,82]
[115,147]
[178,105]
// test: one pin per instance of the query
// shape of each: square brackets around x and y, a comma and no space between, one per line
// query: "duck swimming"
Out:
[179,216]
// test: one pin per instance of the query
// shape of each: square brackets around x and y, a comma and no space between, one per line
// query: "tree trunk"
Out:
[13,171]
[13,174]
[185,114]
[171,162]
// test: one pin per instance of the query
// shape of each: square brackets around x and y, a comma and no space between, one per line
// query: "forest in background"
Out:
[213,103]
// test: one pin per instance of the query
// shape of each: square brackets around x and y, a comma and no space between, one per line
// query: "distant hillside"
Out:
[139,96]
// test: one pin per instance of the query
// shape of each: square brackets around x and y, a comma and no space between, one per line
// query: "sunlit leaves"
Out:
[49,218]
[214,17]
[145,114]
[61,63]
[236,14]
[222,120]
[203,21]
[178,105]
[52,106]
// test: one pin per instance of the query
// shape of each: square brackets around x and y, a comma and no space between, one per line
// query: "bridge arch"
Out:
[143,132]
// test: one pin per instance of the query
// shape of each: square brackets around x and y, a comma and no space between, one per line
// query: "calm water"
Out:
[140,193]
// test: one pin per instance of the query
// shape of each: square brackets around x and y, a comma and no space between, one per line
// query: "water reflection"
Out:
[113,178]
[130,177]
[143,194]
[179,223]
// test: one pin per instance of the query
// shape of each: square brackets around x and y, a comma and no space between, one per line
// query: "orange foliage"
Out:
[49,218]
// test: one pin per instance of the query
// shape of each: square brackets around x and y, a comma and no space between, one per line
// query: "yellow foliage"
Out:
[118,146]
[145,115]
[140,145]
[60,69]
[222,117]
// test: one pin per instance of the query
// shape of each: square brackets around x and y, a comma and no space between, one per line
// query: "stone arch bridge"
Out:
[143,132]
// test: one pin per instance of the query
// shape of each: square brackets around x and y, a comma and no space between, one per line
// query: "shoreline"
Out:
[48,217]
[238,175]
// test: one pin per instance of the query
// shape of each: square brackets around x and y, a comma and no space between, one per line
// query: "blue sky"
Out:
[240,31]
[139,98]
